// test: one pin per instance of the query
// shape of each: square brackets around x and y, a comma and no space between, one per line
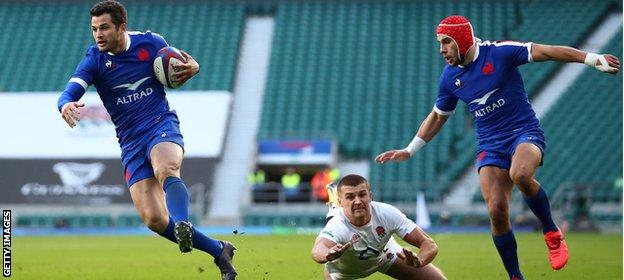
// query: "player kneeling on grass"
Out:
[355,243]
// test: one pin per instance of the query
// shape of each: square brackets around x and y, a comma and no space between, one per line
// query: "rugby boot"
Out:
[183,232]
[557,249]
[224,261]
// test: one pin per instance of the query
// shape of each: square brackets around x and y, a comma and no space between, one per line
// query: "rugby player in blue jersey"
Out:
[511,142]
[119,65]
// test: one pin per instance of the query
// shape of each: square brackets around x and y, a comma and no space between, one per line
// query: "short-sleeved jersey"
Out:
[125,83]
[492,87]
[368,242]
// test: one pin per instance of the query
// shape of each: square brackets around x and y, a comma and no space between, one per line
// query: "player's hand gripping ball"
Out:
[166,65]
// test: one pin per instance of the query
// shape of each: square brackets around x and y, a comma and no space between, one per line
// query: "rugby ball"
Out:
[165,65]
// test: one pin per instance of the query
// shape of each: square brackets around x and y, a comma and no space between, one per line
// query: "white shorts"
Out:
[390,256]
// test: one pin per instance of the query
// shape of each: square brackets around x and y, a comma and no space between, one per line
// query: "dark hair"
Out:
[115,9]
[351,180]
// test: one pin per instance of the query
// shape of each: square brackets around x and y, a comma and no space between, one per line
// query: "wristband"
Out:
[416,144]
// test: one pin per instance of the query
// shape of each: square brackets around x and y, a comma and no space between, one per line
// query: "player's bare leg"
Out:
[525,161]
[496,187]
[149,200]
[166,160]
[400,270]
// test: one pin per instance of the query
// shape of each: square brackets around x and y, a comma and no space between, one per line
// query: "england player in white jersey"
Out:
[354,243]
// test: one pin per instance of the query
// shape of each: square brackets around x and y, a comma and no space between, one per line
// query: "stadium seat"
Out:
[212,38]
[585,148]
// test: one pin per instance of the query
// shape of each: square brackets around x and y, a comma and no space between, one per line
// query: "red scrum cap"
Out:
[459,29]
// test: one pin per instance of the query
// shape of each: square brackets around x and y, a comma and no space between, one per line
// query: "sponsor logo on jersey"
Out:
[484,98]
[129,98]
[458,83]
[489,108]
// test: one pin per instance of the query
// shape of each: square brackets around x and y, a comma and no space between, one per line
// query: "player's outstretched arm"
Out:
[428,129]
[428,248]
[603,62]
[325,250]
[187,70]
[71,113]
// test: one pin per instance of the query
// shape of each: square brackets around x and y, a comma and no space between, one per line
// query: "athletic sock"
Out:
[200,241]
[177,198]
[541,208]
[169,231]
[507,247]
[206,244]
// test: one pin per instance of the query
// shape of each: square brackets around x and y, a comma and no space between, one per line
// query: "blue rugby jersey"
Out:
[492,87]
[125,83]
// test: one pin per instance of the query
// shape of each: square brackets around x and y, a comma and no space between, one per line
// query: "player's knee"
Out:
[156,222]
[498,210]
[162,171]
[521,176]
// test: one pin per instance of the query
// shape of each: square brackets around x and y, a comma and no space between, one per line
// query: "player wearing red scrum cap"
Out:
[511,142]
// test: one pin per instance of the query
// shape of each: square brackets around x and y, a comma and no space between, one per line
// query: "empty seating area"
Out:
[584,133]
[568,23]
[45,52]
[366,73]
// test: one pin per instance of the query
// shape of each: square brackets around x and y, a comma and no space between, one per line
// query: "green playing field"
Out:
[461,256]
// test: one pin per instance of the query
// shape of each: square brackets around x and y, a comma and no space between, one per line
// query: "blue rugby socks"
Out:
[200,241]
[168,233]
[177,198]
[541,208]
[507,247]
[206,244]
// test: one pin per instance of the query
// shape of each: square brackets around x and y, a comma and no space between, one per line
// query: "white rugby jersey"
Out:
[369,242]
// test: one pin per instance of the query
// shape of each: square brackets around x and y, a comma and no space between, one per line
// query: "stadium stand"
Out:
[584,129]
[568,23]
[362,71]
[64,27]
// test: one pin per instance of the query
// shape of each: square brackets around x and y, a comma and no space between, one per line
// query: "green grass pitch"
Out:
[461,256]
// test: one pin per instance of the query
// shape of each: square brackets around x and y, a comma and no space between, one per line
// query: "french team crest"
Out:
[381,231]
[143,54]
[487,69]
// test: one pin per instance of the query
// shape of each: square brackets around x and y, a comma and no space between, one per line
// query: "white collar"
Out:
[127,43]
